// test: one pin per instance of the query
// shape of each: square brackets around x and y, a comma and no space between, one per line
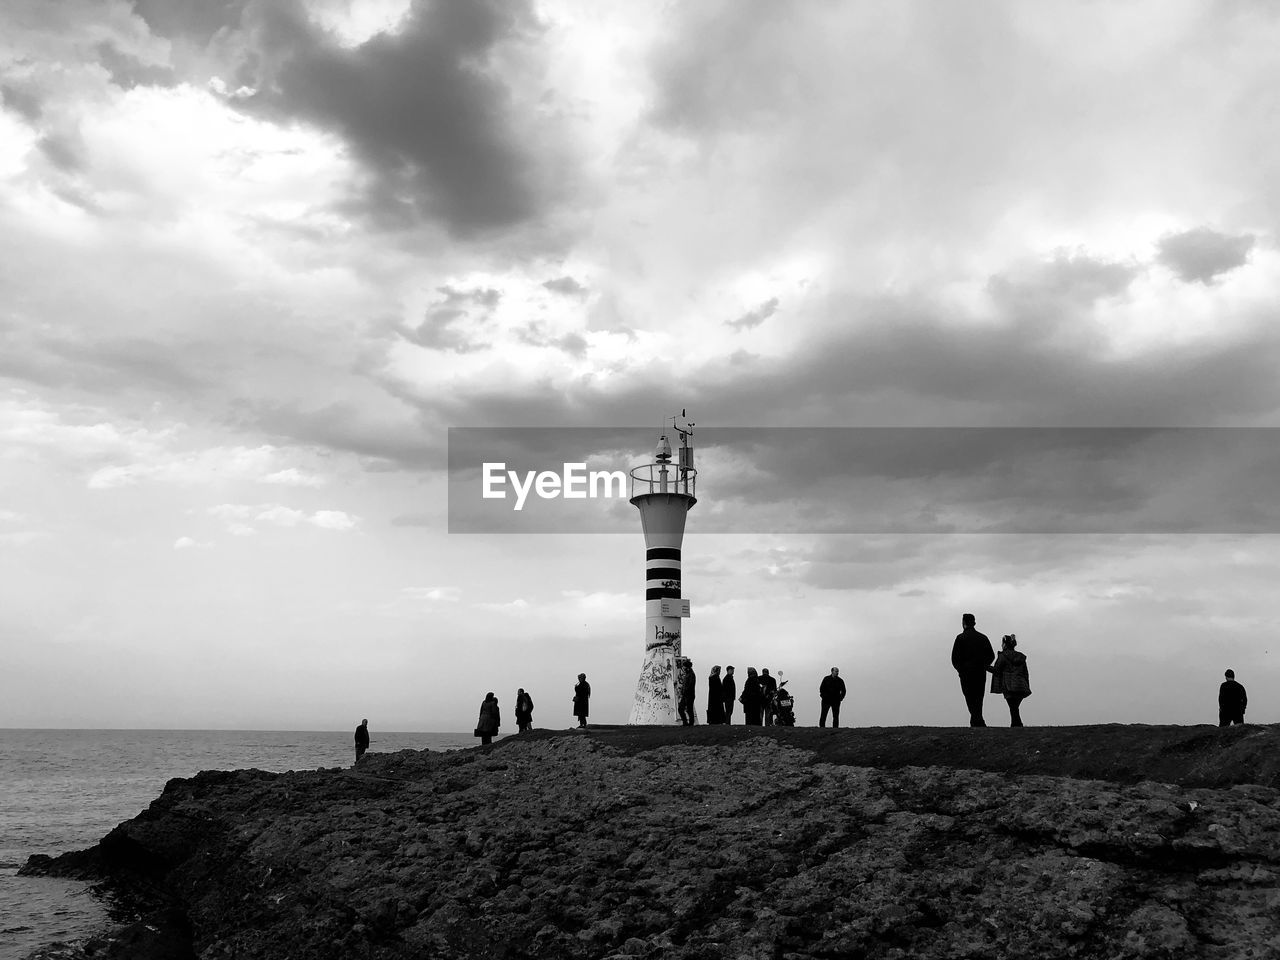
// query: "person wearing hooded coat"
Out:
[581,699]
[490,719]
[524,711]
[1009,675]
[715,697]
[752,699]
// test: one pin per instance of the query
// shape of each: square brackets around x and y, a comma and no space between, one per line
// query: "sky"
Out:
[257,259]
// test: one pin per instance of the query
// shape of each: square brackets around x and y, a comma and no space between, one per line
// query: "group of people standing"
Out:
[759,694]
[491,718]
[975,661]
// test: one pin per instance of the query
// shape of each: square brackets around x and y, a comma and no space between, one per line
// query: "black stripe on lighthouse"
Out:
[662,593]
[662,573]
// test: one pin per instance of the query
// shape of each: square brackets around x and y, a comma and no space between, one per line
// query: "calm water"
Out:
[63,790]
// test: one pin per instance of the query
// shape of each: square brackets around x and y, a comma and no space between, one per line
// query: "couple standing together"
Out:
[972,657]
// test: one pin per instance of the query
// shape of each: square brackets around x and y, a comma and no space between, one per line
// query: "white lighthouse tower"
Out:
[663,493]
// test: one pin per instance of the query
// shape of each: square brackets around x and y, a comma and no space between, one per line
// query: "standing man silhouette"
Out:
[769,691]
[831,691]
[1231,701]
[729,690]
[362,739]
[688,694]
[970,655]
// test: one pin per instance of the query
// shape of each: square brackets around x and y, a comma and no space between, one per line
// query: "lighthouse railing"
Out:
[663,478]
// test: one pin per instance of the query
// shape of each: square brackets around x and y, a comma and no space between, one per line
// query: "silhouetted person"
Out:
[490,720]
[715,696]
[524,711]
[688,694]
[970,655]
[1009,675]
[1231,701]
[752,699]
[582,700]
[362,739]
[768,690]
[831,691]
[729,689]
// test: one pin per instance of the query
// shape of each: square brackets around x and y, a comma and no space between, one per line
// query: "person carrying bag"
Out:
[1010,676]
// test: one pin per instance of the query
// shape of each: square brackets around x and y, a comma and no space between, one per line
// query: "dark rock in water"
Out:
[720,842]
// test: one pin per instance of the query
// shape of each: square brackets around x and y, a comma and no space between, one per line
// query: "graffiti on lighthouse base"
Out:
[662,637]
[655,691]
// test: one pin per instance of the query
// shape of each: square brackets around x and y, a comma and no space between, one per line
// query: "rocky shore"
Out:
[718,842]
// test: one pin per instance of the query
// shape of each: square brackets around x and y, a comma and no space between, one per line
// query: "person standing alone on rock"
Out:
[490,720]
[729,690]
[582,700]
[1009,675]
[1231,701]
[362,739]
[715,697]
[970,656]
[524,711]
[831,691]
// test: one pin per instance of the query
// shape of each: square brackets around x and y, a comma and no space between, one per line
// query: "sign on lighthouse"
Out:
[663,492]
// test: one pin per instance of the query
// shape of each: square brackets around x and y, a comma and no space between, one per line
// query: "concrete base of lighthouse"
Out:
[655,699]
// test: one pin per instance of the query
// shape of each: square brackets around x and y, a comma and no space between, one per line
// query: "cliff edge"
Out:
[719,842]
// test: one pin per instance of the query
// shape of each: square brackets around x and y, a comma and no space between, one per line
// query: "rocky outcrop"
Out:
[722,844]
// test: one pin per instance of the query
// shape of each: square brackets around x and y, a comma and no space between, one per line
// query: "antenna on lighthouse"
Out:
[686,448]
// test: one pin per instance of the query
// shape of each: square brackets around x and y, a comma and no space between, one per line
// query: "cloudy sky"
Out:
[257,258]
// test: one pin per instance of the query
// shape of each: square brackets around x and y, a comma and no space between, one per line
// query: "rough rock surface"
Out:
[717,843]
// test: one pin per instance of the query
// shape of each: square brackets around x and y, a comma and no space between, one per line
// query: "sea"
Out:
[63,790]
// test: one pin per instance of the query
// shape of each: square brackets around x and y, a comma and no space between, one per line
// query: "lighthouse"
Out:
[663,492]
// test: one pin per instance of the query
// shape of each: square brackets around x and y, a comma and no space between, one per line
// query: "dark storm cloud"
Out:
[753,318]
[115,365]
[23,102]
[713,72]
[422,109]
[450,322]
[384,442]
[110,362]
[128,71]
[903,364]
[195,20]
[63,150]
[1067,281]
[876,562]
[909,371]
[573,344]
[1202,255]
[566,286]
